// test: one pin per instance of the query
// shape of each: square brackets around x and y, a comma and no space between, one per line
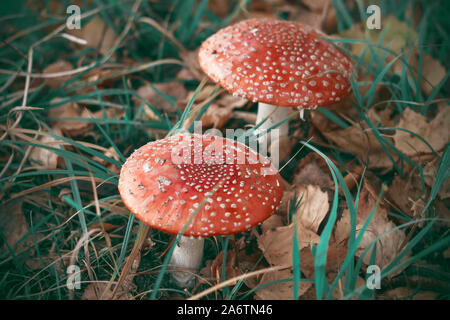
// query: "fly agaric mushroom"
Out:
[202,186]
[278,64]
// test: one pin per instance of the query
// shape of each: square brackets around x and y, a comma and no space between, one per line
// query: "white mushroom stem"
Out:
[187,255]
[275,114]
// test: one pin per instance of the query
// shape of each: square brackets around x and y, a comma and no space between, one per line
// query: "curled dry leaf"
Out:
[436,132]
[56,67]
[46,158]
[389,246]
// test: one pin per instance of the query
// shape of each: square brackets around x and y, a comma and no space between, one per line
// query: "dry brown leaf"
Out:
[219,7]
[430,174]
[316,5]
[97,34]
[389,246]
[47,158]
[404,293]
[436,132]
[310,18]
[249,117]
[216,116]
[152,97]
[14,226]
[271,223]
[104,78]
[108,113]
[280,290]
[219,111]
[263,9]
[111,152]
[338,292]
[405,193]
[56,67]
[190,59]
[231,269]
[312,169]
[201,96]
[283,207]
[313,206]
[69,110]
[277,244]
[94,291]
[35,263]
[185,74]
[230,101]
[433,71]
[363,144]
[397,35]
[238,263]
[103,226]
[442,212]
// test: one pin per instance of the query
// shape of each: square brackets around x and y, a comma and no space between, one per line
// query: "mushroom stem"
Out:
[187,255]
[275,114]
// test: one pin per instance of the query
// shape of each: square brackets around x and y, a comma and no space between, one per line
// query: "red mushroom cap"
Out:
[281,63]
[228,186]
